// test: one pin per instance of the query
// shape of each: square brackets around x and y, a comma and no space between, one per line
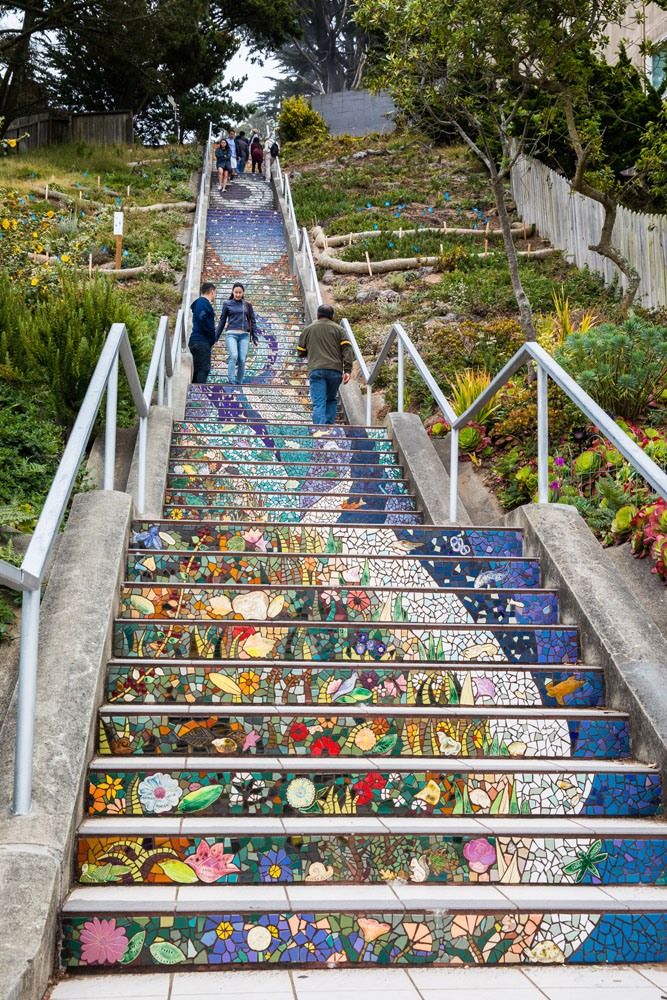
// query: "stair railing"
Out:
[528,354]
[29,576]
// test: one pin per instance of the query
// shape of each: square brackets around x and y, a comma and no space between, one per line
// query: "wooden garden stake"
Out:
[46,193]
[90,265]
[99,182]
[368,261]
[118,233]
[128,190]
[486,246]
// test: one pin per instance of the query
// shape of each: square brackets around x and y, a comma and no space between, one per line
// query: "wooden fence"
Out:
[103,128]
[572,222]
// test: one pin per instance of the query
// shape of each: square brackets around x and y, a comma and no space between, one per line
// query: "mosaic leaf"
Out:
[166,953]
[200,799]
[178,871]
[134,947]
[225,683]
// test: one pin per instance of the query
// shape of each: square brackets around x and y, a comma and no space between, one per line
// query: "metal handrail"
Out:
[28,577]
[309,265]
[547,369]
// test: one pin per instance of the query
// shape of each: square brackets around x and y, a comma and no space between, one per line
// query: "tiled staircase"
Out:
[332,733]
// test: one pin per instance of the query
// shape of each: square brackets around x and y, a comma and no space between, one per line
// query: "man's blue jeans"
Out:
[324,386]
[237,348]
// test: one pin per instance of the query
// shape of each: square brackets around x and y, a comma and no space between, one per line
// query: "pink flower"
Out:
[211,863]
[255,539]
[479,854]
[102,942]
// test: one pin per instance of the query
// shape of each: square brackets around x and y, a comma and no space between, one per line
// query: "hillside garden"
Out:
[60,293]
[454,297]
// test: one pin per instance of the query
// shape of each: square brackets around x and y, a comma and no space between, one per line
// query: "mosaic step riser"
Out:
[465,736]
[435,859]
[124,791]
[323,469]
[287,430]
[217,448]
[391,685]
[243,413]
[302,938]
[305,485]
[307,515]
[335,540]
[340,604]
[206,392]
[247,641]
[270,460]
[258,501]
[231,568]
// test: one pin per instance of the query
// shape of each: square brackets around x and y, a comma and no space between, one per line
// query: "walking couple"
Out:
[238,316]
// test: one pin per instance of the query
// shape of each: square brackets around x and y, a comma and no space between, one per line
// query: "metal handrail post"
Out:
[542,435]
[453,474]
[110,430]
[141,472]
[369,405]
[27,697]
[401,376]
[160,372]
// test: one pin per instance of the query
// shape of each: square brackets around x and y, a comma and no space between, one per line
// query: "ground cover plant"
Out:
[462,315]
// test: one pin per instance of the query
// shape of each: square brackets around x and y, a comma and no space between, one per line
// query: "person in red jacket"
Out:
[256,154]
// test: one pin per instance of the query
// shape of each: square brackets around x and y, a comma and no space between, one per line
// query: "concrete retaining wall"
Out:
[356,112]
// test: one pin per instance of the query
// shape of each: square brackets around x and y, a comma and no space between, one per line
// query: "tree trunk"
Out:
[525,311]
[582,185]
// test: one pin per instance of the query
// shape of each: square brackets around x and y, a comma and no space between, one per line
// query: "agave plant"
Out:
[466,387]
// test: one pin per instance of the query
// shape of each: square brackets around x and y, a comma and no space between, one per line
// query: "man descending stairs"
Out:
[333,734]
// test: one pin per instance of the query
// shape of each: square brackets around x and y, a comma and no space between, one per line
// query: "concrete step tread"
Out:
[308,765]
[448,826]
[387,897]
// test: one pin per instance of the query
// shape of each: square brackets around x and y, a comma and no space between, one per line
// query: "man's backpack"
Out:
[275,150]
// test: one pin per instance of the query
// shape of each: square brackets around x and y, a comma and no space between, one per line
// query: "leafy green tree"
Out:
[467,67]
[131,54]
[329,53]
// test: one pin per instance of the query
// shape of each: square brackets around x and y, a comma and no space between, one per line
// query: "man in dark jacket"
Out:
[330,357]
[242,150]
[202,337]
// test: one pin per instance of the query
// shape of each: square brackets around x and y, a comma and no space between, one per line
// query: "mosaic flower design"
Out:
[159,793]
[276,866]
[301,793]
[103,943]
[222,936]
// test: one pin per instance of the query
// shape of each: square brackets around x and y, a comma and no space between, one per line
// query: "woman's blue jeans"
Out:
[237,348]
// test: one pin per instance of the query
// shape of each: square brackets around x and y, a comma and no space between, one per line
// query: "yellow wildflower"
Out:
[34,281]
[65,258]
[11,143]
[50,214]
[5,223]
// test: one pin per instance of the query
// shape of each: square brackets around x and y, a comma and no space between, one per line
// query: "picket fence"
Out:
[572,222]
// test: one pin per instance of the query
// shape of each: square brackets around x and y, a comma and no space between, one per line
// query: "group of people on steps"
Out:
[322,344]
[233,152]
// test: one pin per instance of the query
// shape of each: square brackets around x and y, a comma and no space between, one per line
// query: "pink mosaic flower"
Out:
[102,942]
[210,863]
[480,855]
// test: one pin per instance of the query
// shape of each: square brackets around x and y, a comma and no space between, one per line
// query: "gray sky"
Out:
[257,75]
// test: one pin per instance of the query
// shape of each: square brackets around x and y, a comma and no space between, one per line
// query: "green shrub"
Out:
[31,444]
[622,367]
[58,343]
[297,120]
